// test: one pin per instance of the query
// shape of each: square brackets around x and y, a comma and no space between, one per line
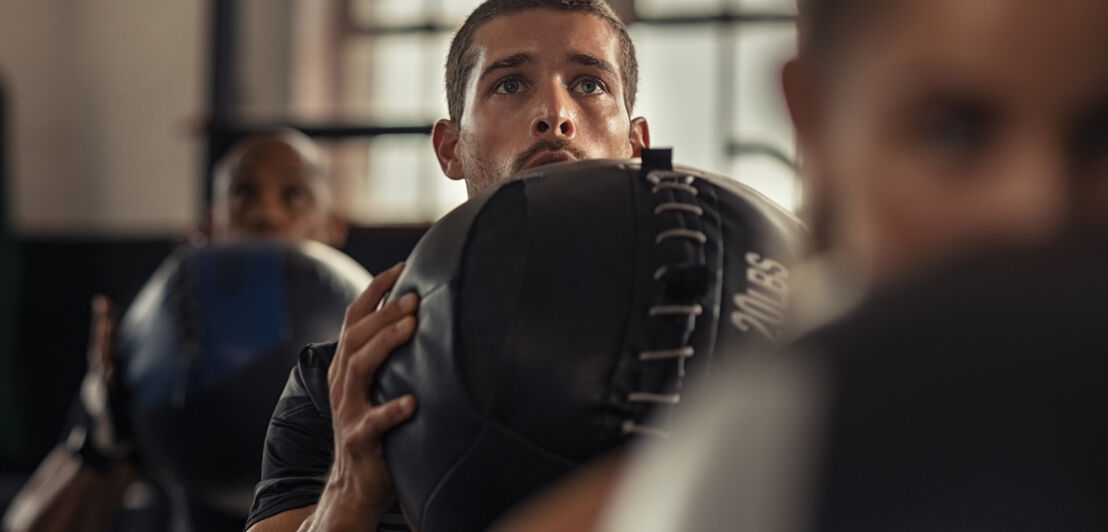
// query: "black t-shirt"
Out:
[299,445]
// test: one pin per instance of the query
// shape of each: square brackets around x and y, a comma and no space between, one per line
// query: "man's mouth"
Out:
[549,157]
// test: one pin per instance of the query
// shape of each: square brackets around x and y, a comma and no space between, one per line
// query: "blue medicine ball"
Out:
[207,347]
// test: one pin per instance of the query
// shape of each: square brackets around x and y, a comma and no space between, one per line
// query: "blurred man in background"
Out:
[270,186]
[273,185]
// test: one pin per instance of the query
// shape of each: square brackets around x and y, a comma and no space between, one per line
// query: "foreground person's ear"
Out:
[444,137]
[640,136]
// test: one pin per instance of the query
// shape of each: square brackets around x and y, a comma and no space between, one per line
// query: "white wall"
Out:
[104,95]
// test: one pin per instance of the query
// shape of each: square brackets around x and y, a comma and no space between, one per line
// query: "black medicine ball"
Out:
[564,312]
[207,347]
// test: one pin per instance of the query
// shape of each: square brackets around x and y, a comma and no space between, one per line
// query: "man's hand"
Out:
[101,436]
[101,344]
[100,392]
[359,489]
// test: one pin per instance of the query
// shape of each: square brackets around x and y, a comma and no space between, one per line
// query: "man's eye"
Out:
[955,133]
[509,86]
[590,86]
[295,197]
[243,192]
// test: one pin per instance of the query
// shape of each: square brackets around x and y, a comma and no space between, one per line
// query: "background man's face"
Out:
[545,88]
[273,191]
[995,132]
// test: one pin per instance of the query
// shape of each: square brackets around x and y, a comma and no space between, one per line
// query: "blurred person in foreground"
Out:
[930,133]
[528,83]
[269,186]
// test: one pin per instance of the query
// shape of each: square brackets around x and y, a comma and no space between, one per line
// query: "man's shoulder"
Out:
[317,355]
[308,382]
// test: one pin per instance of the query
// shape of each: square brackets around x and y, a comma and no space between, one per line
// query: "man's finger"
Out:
[364,362]
[356,334]
[368,300]
[363,305]
[380,419]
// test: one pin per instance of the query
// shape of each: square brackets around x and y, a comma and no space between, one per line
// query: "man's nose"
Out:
[1039,197]
[554,117]
[269,212]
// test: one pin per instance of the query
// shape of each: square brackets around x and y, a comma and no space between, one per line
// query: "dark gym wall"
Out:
[57,280]
[10,414]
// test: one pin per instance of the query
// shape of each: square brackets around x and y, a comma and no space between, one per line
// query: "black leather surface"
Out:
[206,359]
[537,302]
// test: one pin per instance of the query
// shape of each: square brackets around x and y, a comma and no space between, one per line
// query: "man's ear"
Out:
[444,137]
[804,108]
[797,88]
[640,136]
[801,98]
[337,229]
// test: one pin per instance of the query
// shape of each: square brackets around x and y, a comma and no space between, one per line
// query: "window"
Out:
[709,69]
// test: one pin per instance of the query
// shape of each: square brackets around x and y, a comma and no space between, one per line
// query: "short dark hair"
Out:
[459,62]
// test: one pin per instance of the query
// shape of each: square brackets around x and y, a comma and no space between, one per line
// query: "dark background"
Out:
[47,285]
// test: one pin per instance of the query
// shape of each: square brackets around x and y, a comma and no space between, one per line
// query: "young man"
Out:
[269,186]
[528,82]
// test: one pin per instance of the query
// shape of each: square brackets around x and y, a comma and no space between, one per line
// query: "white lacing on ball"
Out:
[657,177]
[656,398]
[630,427]
[678,206]
[660,272]
[676,310]
[188,314]
[674,186]
[667,354]
[689,234]
[679,210]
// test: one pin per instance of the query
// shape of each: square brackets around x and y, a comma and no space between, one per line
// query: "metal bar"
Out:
[327,131]
[221,95]
[722,18]
[381,31]
[737,148]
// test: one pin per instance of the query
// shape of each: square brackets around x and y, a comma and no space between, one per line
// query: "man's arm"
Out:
[65,495]
[359,488]
[285,521]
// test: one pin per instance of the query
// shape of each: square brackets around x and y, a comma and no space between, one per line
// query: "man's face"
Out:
[273,191]
[947,125]
[545,87]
